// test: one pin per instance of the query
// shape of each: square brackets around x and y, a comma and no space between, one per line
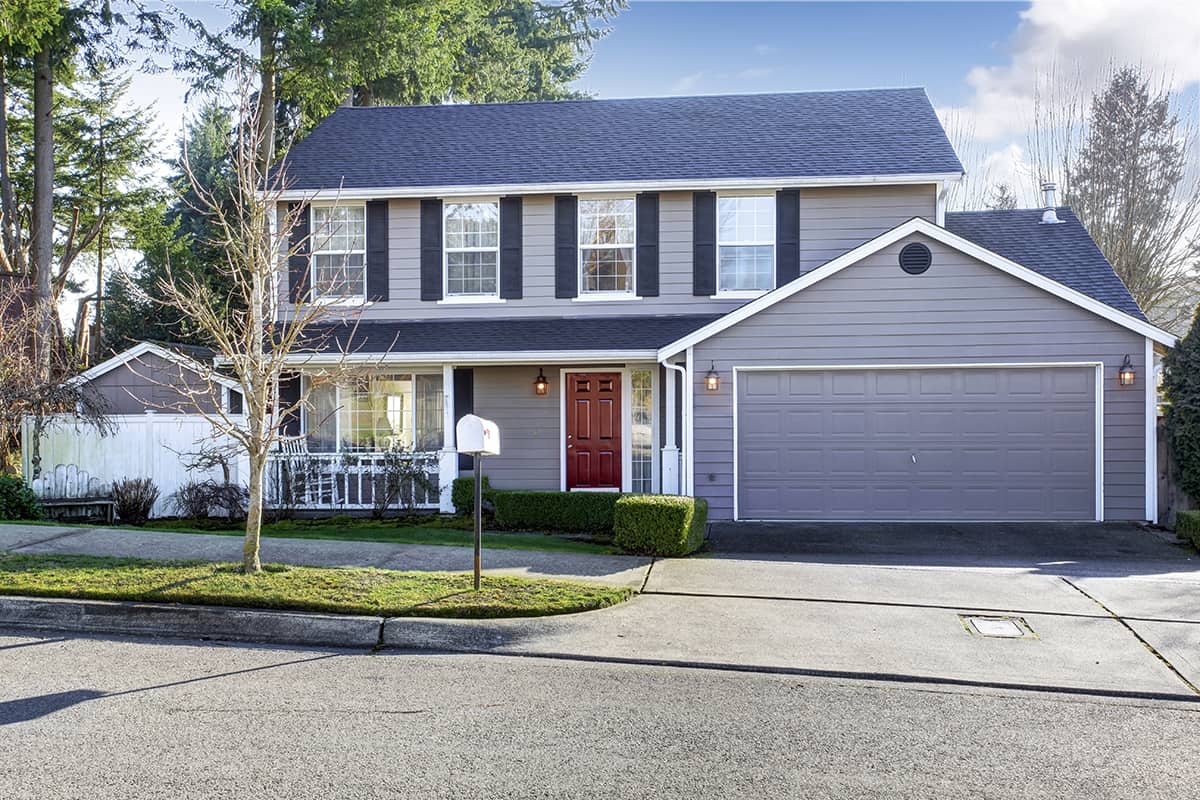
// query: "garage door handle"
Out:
[914,458]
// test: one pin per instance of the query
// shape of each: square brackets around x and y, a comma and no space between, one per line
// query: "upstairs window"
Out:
[472,249]
[339,252]
[607,239]
[745,244]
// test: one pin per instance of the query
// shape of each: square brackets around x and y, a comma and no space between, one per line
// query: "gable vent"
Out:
[915,258]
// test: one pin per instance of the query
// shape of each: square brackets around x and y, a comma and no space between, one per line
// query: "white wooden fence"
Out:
[143,446]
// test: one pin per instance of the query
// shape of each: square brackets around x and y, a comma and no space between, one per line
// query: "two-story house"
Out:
[757,299]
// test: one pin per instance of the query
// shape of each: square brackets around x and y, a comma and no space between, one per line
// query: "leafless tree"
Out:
[1126,160]
[256,334]
[1001,198]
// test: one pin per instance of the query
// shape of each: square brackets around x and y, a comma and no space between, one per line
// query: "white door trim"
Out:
[1098,390]
[626,423]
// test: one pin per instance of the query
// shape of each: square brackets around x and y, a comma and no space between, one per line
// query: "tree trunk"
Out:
[254,516]
[42,228]
[266,95]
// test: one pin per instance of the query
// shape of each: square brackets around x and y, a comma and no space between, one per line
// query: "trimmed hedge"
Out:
[1187,526]
[571,512]
[462,494]
[660,525]
[17,501]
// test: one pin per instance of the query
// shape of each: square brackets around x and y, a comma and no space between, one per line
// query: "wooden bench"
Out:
[67,489]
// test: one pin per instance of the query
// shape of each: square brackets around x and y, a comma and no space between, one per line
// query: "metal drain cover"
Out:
[997,627]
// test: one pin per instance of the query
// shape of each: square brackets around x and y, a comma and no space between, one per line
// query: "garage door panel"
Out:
[998,443]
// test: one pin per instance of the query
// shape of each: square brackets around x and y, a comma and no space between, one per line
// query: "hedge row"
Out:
[569,512]
[660,525]
[1187,526]
[462,494]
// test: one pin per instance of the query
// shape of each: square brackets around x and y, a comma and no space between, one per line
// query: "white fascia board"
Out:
[471,358]
[927,228]
[149,348]
[689,184]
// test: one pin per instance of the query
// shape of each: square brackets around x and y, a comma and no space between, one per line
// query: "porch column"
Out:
[448,456]
[670,450]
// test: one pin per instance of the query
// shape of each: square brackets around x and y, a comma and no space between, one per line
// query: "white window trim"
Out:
[338,403]
[742,294]
[583,294]
[341,299]
[448,297]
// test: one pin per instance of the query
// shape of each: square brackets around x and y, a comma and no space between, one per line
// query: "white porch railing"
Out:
[352,481]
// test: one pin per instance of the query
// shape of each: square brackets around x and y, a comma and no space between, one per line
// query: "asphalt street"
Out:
[101,718]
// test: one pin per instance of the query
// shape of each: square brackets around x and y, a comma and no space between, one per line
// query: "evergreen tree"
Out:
[1181,388]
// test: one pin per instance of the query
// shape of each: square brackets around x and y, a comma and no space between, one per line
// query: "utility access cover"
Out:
[997,627]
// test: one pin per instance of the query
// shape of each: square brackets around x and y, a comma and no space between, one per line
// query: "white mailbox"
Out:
[477,436]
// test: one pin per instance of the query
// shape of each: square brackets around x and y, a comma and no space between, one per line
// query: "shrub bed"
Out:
[571,512]
[17,501]
[660,525]
[1187,526]
[462,494]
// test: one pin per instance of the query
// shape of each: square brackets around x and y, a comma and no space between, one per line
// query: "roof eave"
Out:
[467,358]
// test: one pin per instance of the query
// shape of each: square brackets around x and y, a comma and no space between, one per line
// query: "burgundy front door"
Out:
[593,430]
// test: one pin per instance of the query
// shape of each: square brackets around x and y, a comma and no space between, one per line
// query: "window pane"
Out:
[607,222]
[746,268]
[472,225]
[608,270]
[746,219]
[376,413]
[339,228]
[339,275]
[471,273]
[321,418]
[429,413]
[642,412]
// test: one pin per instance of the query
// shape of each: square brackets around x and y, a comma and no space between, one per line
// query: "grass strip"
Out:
[329,590]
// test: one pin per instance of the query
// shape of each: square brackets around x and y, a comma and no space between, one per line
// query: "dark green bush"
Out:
[570,512]
[660,525]
[1187,526]
[17,501]
[1181,387]
[462,494]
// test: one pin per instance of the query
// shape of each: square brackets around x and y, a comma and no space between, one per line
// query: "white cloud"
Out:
[687,83]
[765,49]
[755,73]
[1085,38]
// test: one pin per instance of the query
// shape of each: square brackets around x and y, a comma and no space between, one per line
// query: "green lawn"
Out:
[340,591]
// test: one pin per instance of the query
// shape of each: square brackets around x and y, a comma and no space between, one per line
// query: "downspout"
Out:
[685,421]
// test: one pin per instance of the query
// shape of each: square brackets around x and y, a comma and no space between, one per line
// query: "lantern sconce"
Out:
[541,384]
[712,381]
[1126,374]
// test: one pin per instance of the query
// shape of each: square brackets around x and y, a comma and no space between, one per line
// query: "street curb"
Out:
[455,635]
[172,620]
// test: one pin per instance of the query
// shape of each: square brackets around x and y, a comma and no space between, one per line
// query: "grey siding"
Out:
[147,384]
[831,222]
[529,426]
[960,311]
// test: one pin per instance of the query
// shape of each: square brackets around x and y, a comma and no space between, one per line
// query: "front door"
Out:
[593,430]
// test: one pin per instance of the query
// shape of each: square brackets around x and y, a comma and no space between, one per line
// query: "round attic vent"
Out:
[915,258]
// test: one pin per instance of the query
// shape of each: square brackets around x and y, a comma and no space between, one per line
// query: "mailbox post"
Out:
[477,437]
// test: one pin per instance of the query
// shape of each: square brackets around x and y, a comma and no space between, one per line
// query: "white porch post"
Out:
[670,450]
[448,456]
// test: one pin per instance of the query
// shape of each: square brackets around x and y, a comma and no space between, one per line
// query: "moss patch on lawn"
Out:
[340,591]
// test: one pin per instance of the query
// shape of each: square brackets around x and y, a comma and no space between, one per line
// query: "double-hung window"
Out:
[745,244]
[339,252]
[607,241]
[472,250]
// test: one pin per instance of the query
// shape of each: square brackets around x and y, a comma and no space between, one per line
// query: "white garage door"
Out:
[917,444]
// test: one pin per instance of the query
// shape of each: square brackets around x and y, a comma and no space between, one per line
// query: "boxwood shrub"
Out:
[660,525]
[17,501]
[1187,526]
[571,512]
[462,494]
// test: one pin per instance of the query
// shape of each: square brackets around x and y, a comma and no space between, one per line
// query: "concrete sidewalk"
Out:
[613,570]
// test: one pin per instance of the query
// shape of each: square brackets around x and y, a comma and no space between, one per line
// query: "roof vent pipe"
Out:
[1050,215]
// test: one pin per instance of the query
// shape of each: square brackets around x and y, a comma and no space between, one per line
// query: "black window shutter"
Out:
[704,243]
[566,246]
[787,236]
[289,395]
[647,245]
[510,248]
[377,250]
[431,249]
[299,247]
[464,403]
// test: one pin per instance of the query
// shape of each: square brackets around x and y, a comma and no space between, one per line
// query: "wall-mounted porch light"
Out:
[1126,374]
[541,384]
[712,381]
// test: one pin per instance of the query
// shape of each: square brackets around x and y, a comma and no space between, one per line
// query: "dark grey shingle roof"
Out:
[808,134]
[615,333]
[1064,253]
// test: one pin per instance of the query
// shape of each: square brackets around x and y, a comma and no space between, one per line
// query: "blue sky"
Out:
[659,48]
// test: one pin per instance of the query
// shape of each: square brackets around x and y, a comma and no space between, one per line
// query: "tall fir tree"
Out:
[1181,390]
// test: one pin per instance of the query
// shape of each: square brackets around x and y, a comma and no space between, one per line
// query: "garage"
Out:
[917,443]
